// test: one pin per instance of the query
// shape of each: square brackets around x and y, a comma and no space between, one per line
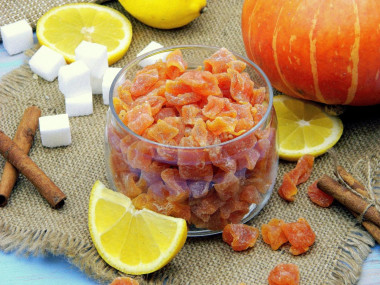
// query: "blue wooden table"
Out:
[19,270]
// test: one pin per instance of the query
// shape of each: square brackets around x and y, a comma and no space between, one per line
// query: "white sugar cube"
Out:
[80,105]
[55,130]
[46,63]
[108,78]
[95,57]
[74,79]
[154,58]
[17,37]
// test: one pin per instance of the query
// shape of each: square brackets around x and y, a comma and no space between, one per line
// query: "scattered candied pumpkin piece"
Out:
[124,281]
[240,236]
[298,175]
[300,236]
[318,197]
[272,233]
[284,274]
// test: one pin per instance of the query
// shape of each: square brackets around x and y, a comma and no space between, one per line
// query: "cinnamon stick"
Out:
[356,185]
[24,139]
[31,171]
[348,199]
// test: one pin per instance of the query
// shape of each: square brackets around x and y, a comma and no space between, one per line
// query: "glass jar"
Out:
[209,186]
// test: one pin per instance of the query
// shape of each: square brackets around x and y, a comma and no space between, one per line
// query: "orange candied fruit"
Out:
[124,281]
[284,274]
[296,176]
[300,236]
[318,197]
[240,236]
[273,234]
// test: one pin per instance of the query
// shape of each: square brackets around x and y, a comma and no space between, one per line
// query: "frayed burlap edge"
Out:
[347,265]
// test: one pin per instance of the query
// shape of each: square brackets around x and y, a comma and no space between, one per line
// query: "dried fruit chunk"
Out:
[217,62]
[300,236]
[166,112]
[240,236]
[175,64]
[162,132]
[273,234]
[182,99]
[139,155]
[190,113]
[156,102]
[241,86]
[131,189]
[144,82]
[284,274]
[205,207]
[201,82]
[198,189]
[139,118]
[124,281]
[317,196]
[200,132]
[288,188]
[227,185]
[298,175]
[222,124]
[178,189]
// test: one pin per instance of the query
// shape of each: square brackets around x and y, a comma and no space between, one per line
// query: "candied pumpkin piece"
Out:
[258,96]
[318,197]
[178,189]
[139,118]
[241,86]
[303,169]
[217,62]
[221,124]
[124,281]
[198,188]
[232,206]
[176,87]
[288,188]
[244,117]
[227,185]
[156,102]
[272,233]
[201,82]
[165,112]
[200,132]
[119,105]
[221,159]
[190,113]
[175,64]
[240,236]
[298,175]
[139,155]
[224,83]
[238,65]
[250,194]
[182,99]
[144,82]
[125,95]
[300,236]
[159,65]
[248,160]
[284,274]
[206,206]
[162,132]
[131,189]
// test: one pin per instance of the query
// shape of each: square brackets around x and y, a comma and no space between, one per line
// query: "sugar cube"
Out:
[46,63]
[154,58]
[55,130]
[17,37]
[96,58]
[80,105]
[74,79]
[108,78]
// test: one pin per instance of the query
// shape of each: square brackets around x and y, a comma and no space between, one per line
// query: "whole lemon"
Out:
[164,14]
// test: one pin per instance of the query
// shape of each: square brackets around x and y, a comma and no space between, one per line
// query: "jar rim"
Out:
[182,47]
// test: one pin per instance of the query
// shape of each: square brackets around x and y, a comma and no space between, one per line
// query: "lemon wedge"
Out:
[63,28]
[304,128]
[130,240]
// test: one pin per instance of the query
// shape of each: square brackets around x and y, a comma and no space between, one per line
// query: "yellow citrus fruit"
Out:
[304,128]
[164,14]
[130,240]
[63,28]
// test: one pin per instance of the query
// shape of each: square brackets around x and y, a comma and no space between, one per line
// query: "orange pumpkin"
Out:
[325,51]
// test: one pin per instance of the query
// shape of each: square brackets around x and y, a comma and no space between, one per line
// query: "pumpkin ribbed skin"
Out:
[326,51]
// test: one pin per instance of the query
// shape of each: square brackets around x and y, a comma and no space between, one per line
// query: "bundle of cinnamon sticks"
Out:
[16,154]
[356,199]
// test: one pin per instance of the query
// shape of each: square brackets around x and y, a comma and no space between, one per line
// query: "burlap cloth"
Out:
[29,225]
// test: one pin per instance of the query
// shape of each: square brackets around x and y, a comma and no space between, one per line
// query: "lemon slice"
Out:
[130,240]
[304,128]
[63,28]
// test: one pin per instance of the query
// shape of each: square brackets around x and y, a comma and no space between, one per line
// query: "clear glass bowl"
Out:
[214,193]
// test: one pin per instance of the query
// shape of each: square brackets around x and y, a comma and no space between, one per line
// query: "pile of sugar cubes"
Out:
[78,81]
